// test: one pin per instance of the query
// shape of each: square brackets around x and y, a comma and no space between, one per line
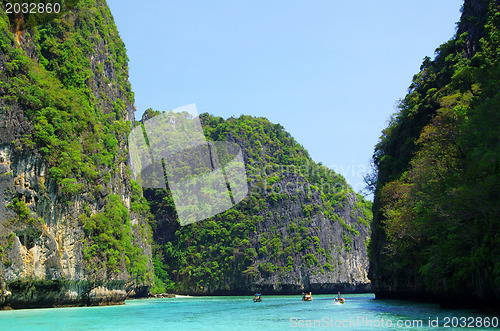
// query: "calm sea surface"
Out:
[360,312]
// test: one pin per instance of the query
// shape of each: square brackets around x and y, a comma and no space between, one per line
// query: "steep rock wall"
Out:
[46,227]
[435,223]
[301,227]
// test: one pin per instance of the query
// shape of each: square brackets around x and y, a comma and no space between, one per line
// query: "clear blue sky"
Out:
[331,72]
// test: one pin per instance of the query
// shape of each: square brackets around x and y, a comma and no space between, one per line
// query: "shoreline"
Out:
[164,295]
[440,305]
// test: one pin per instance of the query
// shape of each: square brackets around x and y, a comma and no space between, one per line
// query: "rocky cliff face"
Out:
[296,211]
[65,108]
[301,228]
[473,20]
[433,235]
[336,260]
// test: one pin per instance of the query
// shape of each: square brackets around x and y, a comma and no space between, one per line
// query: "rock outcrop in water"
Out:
[71,230]
[300,228]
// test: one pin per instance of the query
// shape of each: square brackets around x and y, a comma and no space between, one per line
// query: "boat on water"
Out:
[257,298]
[307,297]
[339,299]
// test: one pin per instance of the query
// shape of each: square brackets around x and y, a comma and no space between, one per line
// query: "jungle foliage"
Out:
[227,251]
[437,171]
[59,72]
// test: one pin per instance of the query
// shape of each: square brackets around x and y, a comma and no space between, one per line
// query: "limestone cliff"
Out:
[301,227]
[435,228]
[69,231]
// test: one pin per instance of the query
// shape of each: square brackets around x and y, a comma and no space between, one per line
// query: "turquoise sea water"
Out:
[360,312]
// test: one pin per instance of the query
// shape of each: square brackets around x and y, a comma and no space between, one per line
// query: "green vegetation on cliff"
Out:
[65,91]
[71,129]
[68,106]
[274,230]
[436,226]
